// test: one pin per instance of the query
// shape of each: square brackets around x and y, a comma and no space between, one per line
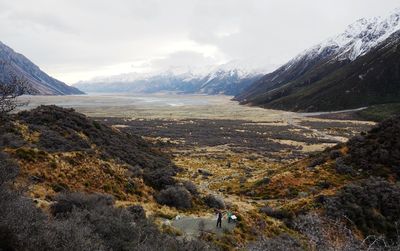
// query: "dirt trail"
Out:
[193,226]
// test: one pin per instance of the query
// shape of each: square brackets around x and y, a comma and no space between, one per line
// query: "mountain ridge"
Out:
[217,81]
[295,84]
[16,64]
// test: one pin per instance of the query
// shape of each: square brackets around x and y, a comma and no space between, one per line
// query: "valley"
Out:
[200,126]
[223,148]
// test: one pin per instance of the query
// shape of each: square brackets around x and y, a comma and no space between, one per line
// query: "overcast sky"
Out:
[75,40]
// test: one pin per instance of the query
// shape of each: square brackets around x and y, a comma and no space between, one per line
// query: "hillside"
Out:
[350,189]
[75,171]
[65,150]
[15,64]
[64,178]
[355,69]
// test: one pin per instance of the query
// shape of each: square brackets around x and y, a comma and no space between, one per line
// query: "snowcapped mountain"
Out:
[359,38]
[15,64]
[309,81]
[220,80]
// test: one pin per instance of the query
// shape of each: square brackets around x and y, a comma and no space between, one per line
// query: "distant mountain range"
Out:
[357,68]
[217,81]
[15,64]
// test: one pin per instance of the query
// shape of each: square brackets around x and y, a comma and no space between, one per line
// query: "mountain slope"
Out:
[61,150]
[357,68]
[15,64]
[220,81]
[355,183]
[68,182]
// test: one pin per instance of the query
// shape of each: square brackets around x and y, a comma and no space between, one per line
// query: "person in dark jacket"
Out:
[219,219]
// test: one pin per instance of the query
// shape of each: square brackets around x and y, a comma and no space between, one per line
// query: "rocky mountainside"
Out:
[15,64]
[357,68]
[218,81]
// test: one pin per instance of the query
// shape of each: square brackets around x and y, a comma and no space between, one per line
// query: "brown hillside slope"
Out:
[60,150]
[355,183]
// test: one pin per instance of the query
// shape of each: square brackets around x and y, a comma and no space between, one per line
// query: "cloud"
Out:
[74,39]
[184,60]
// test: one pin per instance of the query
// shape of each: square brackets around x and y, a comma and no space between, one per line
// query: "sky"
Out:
[75,40]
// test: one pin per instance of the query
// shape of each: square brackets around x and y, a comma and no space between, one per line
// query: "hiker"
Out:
[219,219]
[233,218]
[229,215]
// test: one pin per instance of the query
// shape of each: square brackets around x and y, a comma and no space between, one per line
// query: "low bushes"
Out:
[159,178]
[177,197]
[62,130]
[214,202]
[342,167]
[82,222]
[191,187]
[8,169]
[378,149]
[277,213]
[372,205]
[67,202]
[282,242]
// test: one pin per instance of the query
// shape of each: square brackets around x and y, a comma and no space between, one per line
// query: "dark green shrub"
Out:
[177,197]
[191,187]
[334,154]
[159,178]
[372,204]
[343,168]
[277,213]
[282,242]
[378,149]
[67,202]
[214,202]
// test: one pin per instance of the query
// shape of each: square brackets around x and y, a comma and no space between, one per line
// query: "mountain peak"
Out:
[20,66]
[358,39]
[356,68]
[364,34]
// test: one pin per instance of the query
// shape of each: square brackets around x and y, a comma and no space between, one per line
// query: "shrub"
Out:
[317,161]
[130,187]
[137,211]
[8,240]
[378,149]
[334,154]
[191,187]
[204,172]
[263,181]
[51,140]
[177,197]
[8,168]
[30,228]
[92,224]
[324,184]
[277,213]
[325,234]
[12,140]
[30,155]
[282,242]
[342,168]
[214,202]
[59,187]
[159,178]
[372,204]
[67,202]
